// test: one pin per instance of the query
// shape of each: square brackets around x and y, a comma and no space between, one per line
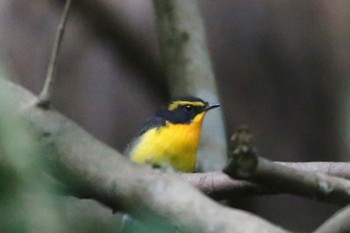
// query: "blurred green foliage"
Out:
[27,199]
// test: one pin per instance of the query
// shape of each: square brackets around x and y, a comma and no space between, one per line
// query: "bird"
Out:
[170,138]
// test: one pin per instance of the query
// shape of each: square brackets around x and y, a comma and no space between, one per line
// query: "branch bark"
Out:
[95,170]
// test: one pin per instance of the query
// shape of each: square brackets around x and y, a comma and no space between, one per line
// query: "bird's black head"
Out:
[183,110]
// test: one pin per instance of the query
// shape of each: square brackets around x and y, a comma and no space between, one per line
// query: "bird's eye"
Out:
[188,108]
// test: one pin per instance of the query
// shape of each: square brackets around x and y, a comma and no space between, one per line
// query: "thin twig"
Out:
[44,100]
[125,42]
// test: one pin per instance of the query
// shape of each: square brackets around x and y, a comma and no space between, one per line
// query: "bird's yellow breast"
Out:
[172,145]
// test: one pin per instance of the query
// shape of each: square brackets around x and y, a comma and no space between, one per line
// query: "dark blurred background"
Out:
[281,66]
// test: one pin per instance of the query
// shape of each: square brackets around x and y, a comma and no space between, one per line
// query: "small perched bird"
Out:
[170,138]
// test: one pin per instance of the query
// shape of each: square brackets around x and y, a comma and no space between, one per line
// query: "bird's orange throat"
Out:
[185,136]
[172,144]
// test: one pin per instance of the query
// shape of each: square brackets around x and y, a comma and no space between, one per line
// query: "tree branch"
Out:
[94,169]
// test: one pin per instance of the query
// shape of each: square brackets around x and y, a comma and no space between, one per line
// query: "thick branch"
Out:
[96,170]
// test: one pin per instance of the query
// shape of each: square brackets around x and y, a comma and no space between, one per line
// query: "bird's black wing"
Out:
[153,122]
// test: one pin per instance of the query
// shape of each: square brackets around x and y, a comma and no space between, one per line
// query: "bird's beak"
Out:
[212,106]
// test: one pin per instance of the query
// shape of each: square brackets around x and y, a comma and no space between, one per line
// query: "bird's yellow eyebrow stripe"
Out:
[178,103]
